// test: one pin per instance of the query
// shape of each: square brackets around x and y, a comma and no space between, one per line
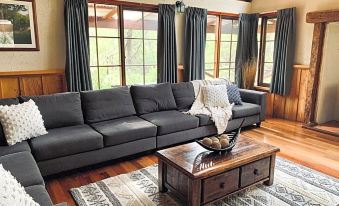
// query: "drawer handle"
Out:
[256,172]
[222,185]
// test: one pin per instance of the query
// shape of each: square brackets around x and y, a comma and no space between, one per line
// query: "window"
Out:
[221,46]
[266,31]
[228,48]
[210,48]
[140,30]
[122,45]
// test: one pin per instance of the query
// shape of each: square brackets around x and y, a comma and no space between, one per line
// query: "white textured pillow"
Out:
[215,95]
[11,192]
[21,122]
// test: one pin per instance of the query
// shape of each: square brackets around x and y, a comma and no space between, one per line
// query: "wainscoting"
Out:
[291,107]
[39,82]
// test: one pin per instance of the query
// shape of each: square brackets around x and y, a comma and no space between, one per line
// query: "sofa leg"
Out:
[258,124]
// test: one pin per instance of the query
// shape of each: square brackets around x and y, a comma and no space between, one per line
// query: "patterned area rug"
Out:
[293,185]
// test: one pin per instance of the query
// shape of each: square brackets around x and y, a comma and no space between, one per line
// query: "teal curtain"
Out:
[284,46]
[247,47]
[167,46]
[194,43]
[77,71]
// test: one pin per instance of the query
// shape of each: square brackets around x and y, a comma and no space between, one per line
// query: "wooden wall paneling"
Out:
[31,85]
[53,84]
[37,82]
[291,102]
[290,107]
[302,95]
[10,87]
[279,106]
[269,104]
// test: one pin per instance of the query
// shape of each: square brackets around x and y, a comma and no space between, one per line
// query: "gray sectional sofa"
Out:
[96,126]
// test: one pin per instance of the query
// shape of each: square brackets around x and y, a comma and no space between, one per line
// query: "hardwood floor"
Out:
[310,148]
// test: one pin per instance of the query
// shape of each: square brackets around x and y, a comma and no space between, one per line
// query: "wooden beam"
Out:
[315,66]
[322,16]
[110,14]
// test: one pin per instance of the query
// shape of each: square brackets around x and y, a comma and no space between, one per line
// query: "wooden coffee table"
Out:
[199,177]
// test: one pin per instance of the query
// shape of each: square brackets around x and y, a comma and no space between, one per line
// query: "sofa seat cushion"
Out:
[171,121]
[204,120]
[65,141]
[39,195]
[107,104]
[19,147]
[23,167]
[59,110]
[245,110]
[123,130]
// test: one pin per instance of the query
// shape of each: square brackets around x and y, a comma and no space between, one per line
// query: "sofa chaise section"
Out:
[39,195]
[24,168]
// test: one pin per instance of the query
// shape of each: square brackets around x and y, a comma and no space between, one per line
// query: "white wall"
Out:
[50,21]
[304,30]
[327,108]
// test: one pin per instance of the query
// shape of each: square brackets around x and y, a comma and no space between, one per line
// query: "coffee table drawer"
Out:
[220,185]
[255,172]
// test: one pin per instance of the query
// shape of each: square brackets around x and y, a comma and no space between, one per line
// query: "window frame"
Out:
[220,16]
[262,47]
[121,6]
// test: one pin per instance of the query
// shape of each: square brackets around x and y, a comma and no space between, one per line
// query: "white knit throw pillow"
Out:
[21,122]
[11,192]
[215,95]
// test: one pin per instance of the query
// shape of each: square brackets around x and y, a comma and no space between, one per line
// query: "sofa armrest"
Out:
[255,97]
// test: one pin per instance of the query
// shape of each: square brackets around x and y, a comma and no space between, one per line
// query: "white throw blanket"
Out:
[219,115]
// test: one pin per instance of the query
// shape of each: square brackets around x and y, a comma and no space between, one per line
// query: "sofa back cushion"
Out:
[183,94]
[107,104]
[7,102]
[153,98]
[59,110]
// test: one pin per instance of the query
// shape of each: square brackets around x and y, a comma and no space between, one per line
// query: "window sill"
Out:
[262,88]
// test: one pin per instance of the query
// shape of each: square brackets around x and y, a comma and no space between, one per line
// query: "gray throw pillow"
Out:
[107,104]
[183,94]
[58,110]
[234,94]
[153,98]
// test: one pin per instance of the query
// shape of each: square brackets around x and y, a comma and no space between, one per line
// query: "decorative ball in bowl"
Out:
[221,143]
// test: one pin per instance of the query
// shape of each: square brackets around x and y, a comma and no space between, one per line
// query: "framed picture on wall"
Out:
[18,26]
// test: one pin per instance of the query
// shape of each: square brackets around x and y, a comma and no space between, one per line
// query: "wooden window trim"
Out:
[128,5]
[220,16]
[262,47]
[122,5]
